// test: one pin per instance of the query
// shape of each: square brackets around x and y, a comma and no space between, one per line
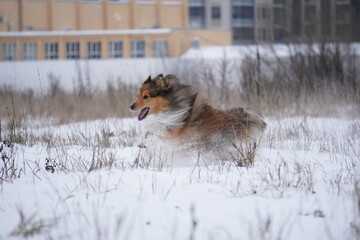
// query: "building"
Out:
[323,20]
[264,18]
[278,21]
[243,21]
[209,14]
[307,20]
[234,15]
[91,29]
[86,29]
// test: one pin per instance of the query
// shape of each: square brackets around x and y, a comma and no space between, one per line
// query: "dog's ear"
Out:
[166,82]
[148,80]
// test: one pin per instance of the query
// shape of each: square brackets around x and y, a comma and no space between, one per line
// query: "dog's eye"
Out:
[146,97]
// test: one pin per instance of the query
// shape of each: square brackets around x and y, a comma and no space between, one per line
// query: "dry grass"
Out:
[315,81]
[66,107]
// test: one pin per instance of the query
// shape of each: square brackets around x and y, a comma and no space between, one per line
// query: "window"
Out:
[72,50]
[138,49]
[160,48]
[279,35]
[309,2]
[343,13]
[145,2]
[51,50]
[279,17]
[119,1]
[310,14]
[9,51]
[115,49]
[196,1]
[215,13]
[243,35]
[30,51]
[197,16]
[243,13]
[94,50]
[242,1]
[343,31]
[281,2]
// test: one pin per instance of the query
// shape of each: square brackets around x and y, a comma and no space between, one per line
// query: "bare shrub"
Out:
[355,224]
[54,85]
[245,153]
[30,226]
[311,78]
[8,168]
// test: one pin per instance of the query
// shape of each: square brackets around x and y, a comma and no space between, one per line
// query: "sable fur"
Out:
[181,114]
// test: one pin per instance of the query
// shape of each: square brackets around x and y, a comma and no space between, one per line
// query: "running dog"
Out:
[182,116]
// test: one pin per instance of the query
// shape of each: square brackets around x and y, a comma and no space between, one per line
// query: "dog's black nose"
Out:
[132,107]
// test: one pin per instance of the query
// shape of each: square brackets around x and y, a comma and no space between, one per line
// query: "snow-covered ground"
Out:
[89,180]
[304,185]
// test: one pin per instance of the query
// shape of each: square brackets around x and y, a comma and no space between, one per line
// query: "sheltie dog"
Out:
[180,115]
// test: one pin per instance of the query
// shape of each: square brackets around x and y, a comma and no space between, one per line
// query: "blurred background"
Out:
[93,29]
[267,54]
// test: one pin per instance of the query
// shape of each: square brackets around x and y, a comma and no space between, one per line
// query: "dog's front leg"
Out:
[142,144]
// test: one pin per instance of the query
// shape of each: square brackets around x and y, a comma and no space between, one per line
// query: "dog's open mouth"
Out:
[143,113]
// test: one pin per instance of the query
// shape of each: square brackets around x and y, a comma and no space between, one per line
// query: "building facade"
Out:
[277,21]
[59,15]
[80,29]
[236,16]
[323,20]
[92,29]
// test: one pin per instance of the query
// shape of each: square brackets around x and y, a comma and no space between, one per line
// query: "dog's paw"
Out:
[141,145]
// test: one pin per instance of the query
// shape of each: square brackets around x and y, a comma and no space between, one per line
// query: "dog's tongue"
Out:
[143,113]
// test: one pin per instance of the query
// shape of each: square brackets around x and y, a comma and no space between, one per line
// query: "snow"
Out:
[302,185]
[171,3]
[35,74]
[268,51]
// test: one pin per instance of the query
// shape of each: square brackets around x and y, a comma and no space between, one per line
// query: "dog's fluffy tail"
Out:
[253,122]
[256,124]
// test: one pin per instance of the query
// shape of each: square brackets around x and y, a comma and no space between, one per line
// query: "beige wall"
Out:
[91,16]
[171,16]
[211,37]
[119,16]
[35,14]
[60,20]
[52,15]
[181,39]
[10,9]
[145,16]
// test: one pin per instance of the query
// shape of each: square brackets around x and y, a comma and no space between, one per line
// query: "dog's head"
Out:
[152,95]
